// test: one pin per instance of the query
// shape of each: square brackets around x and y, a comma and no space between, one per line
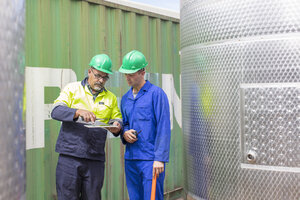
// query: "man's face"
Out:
[135,79]
[97,79]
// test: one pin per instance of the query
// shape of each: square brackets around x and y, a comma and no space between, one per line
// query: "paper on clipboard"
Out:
[96,124]
[100,126]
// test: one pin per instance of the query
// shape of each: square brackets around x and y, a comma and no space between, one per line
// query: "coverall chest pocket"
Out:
[143,113]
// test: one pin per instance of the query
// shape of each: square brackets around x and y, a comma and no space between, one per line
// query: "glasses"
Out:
[98,76]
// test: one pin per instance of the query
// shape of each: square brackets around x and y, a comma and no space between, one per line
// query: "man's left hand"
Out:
[115,130]
[158,167]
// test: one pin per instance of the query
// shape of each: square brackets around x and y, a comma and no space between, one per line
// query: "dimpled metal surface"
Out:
[240,93]
[210,20]
[12,137]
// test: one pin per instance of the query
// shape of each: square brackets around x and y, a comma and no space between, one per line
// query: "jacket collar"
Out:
[146,86]
[84,82]
[142,91]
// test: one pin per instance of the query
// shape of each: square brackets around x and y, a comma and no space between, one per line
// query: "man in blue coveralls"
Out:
[145,110]
[80,167]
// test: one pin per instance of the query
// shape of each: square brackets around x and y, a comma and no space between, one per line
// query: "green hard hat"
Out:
[102,63]
[133,62]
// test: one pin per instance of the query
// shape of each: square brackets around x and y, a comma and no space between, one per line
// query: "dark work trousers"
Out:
[139,180]
[79,178]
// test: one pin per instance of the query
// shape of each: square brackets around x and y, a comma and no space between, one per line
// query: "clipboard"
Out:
[100,126]
[96,124]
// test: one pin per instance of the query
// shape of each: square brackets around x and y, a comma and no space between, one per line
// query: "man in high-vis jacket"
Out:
[80,167]
[145,111]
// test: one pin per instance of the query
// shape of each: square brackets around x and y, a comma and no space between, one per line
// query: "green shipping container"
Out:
[61,38]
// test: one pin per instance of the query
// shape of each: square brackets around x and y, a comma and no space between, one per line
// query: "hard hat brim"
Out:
[105,71]
[102,70]
[127,71]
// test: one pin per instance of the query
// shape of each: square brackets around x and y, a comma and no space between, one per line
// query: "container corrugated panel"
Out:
[61,38]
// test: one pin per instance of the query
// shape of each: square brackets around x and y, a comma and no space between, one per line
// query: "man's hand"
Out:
[115,130]
[86,115]
[129,136]
[158,167]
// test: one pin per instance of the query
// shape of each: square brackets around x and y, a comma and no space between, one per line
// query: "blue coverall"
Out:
[80,167]
[149,113]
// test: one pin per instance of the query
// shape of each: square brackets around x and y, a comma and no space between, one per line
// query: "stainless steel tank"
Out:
[240,62]
[12,135]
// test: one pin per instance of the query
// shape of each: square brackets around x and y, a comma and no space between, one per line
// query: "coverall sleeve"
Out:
[163,134]
[62,110]
[125,122]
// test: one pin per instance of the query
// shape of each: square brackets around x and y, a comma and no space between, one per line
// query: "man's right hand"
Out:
[129,136]
[86,115]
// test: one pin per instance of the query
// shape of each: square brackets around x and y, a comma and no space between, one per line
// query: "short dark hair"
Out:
[142,70]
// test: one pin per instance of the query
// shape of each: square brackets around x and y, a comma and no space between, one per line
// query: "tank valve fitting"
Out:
[251,156]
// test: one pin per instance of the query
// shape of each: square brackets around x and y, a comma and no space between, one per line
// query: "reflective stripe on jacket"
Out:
[148,113]
[74,139]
